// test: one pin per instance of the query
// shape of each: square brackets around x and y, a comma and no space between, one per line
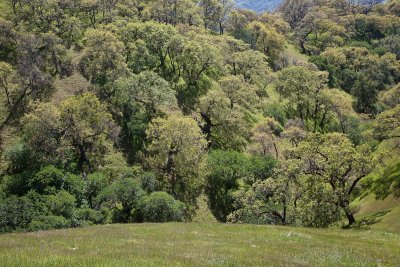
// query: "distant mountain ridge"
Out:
[270,5]
[259,5]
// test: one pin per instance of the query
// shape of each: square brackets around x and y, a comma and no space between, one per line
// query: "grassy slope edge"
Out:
[193,244]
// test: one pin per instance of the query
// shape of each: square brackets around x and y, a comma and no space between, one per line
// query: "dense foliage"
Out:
[127,111]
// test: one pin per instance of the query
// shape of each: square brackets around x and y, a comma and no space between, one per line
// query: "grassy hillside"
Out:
[293,54]
[383,214]
[199,245]
[380,203]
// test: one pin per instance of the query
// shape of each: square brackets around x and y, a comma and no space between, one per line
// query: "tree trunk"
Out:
[206,129]
[276,150]
[82,159]
[350,217]
[348,212]
[284,213]
[303,48]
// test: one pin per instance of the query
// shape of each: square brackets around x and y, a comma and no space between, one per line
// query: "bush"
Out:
[161,207]
[18,156]
[15,213]
[317,207]
[95,183]
[87,216]
[262,167]
[16,184]
[61,204]
[276,111]
[75,185]
[122,198]
[149,182]
[49,222]
[47,179]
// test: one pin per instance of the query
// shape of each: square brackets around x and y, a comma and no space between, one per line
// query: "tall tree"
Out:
[387,124]
[225,170]
[103,59]
[224,126]
[195,63]
[333,160]
[265,137]
[294,11]
[176,152]
[140,99]
[265,39]
[87,125]
[303,87]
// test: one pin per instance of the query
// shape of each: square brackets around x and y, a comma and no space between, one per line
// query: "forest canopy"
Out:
[131,111]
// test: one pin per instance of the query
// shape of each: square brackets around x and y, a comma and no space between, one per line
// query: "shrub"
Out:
[49,222]
[61,204]
[75,185]
[161,207]
[19,157]
[87,216]
[276,111]
[149,182]
[95,183]
[16,184]
[47,179]
[122,198]
[15,213]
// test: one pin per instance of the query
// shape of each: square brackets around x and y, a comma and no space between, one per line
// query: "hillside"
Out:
[378,207]
[199,245]
[259,5]
[379,214]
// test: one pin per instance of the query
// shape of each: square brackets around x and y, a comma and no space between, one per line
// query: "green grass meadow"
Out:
[199,244]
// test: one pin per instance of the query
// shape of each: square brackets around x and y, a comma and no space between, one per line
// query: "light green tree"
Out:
[141,98]
[303,87]
[266,39]
[176,152]
[87,126]
[223,124]
[264,138]
[332,160]
[387,124]
[103,60]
